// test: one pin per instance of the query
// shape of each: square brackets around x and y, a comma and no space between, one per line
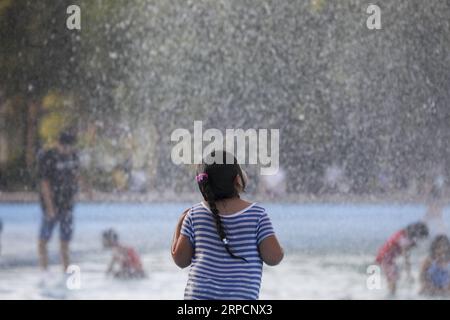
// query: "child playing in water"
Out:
[130,266]
[435,274]
[225,239]
[400,244]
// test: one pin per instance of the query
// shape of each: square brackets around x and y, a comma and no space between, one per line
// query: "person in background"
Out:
[400,244]
[130,266]
[58,174]
[435,273]
[434,216]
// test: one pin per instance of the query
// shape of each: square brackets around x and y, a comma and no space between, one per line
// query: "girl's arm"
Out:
[182,250]
[270,251]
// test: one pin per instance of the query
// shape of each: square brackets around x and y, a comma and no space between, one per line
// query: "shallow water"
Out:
[328,248]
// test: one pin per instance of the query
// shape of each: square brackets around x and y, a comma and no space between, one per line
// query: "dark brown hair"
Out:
[219,184]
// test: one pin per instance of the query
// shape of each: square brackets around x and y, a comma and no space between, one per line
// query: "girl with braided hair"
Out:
[225,239]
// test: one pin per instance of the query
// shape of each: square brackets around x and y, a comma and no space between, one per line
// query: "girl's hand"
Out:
[182,250]
[271,251]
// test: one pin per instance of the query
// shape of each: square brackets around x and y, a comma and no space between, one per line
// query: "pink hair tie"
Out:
[201,177]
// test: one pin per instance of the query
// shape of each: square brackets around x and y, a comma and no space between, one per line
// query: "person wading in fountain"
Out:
[58,173]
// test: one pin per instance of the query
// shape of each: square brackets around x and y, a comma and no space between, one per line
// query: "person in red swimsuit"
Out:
[130,266]
[400,244]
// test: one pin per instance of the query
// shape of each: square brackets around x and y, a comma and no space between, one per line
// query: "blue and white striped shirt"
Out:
[214,274]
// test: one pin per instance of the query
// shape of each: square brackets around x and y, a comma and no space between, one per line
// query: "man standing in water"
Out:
[58,172]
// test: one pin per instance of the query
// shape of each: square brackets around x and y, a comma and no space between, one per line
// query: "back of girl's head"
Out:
[418,230]
[217,180]
[440,242]
[217,176]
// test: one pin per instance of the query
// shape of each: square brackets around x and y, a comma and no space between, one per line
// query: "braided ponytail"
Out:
[209,197]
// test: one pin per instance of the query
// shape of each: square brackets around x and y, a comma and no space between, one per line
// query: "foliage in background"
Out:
[373,103]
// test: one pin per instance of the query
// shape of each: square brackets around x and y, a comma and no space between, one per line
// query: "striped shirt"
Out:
[214,274]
